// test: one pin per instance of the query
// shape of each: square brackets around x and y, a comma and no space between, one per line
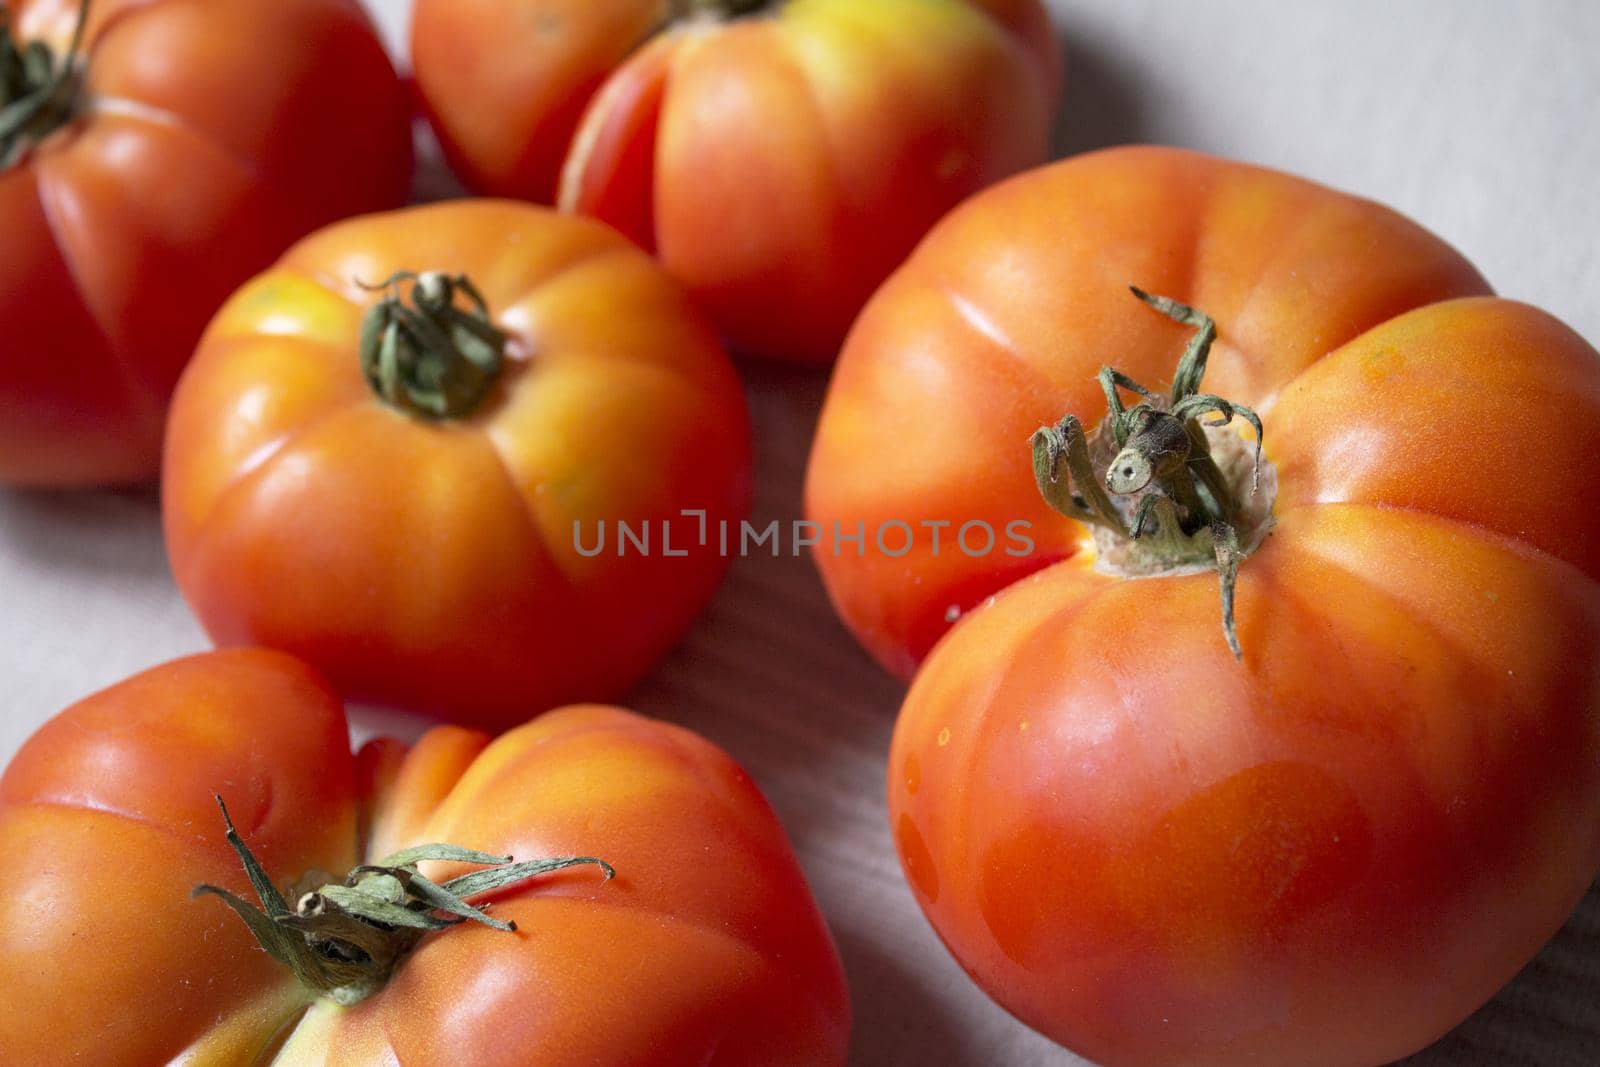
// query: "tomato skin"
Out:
[999,322]
[215,135]
[1331,852]
[780,165]
[107,819]
[1331,856]
[718,958]
[435,566]
[504,85]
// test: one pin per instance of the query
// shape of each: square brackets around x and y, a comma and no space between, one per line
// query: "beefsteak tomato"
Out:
[421,488]
[706,947]
[1332,850]
[149,167]
[780,157]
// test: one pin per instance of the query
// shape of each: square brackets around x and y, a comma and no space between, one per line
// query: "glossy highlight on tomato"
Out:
[781,158]
[705,948]
[184,146]
[1331,851]
[444,560]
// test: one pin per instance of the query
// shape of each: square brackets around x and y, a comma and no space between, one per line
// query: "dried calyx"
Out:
[343,940]
[40,92]
[424,353]
[1163,495]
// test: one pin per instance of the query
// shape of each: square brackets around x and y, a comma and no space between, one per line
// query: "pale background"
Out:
[1480,119]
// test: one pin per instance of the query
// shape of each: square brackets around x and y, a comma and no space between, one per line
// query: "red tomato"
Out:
[468,562]
[192,143]
[705,948]
[780,158]
[1332,851]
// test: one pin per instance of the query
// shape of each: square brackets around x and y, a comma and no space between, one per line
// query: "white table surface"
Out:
[1479,118]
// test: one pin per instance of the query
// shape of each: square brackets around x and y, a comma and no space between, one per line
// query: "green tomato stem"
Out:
[1181,508]
[343,940]
[425,355]
[38,93]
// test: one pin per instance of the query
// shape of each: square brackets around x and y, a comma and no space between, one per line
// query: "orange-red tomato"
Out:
[197,142]
[1334,850]
[452,565]
[780,157]
[705,948]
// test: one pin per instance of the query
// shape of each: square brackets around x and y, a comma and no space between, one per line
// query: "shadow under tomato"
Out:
[432,180]
[768,671]
[899,1020]
[369,721]
[111,532]
[1546,1017]
[1104,100]
[770,647]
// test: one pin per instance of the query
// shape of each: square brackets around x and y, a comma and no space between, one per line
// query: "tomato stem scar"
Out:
[343,940]
[1179,506]
[38,95]
[431,358]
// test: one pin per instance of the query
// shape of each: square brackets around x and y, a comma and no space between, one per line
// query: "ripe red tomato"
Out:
[781,158]
[187,145]
[454,543]
[706,946]
[1328,852]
